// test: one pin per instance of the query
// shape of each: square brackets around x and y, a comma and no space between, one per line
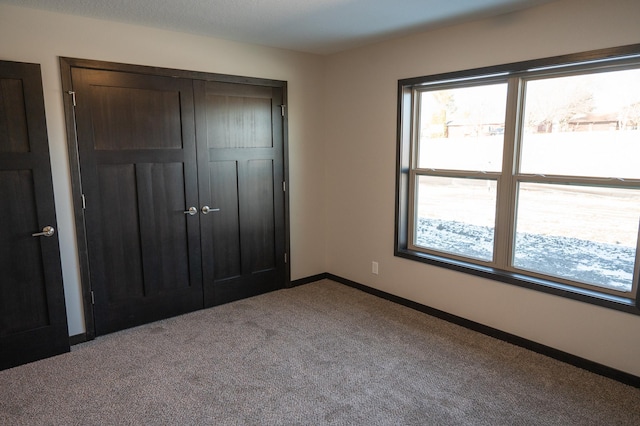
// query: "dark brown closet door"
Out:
[136,144]
[241,174]
[33,322]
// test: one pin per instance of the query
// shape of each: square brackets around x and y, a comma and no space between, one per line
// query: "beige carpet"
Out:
[321,353]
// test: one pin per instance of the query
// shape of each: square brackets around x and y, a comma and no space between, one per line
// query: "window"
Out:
[527,173]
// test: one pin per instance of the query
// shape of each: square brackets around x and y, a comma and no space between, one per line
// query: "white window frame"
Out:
[515,75]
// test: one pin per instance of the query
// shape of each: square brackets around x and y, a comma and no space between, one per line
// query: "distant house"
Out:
[593,122]
[456,129]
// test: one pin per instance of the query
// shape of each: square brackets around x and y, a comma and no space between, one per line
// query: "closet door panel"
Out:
[136,146]
[241,175]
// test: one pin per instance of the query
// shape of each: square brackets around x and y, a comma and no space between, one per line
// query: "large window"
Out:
[528,172]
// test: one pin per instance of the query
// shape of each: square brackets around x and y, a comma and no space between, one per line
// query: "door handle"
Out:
[207,209]
[47,231]
[192,211]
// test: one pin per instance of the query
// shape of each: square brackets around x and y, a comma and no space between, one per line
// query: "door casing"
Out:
[66,66]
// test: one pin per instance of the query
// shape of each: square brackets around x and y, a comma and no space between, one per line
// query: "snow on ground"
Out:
[601,264]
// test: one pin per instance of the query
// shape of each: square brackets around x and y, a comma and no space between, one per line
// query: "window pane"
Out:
[456,215]
[462,129]
[585,234]
[586,125]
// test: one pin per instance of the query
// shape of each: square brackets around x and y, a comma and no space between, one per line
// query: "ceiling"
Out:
[314,26]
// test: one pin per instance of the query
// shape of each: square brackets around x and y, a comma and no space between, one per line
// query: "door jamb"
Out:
[66,65]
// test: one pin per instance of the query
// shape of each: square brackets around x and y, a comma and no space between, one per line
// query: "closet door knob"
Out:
[207,209]
[192,211]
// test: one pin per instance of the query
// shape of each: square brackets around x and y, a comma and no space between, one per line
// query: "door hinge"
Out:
[73,96]
[84,202]
[284,186]
[93,299]
[285,258]
[282,107]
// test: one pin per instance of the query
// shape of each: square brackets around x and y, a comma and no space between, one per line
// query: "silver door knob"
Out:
[47,231]
[207,209]
[192,211]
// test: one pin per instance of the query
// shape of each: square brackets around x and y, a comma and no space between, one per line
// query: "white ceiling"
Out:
[315,26]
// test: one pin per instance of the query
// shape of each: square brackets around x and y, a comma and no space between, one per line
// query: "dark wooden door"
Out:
[33,322]
[241,178]
[137,152]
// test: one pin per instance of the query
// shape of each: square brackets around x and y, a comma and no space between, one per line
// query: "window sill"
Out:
[593,297]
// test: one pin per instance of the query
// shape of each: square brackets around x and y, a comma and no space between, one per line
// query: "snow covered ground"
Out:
[601,264]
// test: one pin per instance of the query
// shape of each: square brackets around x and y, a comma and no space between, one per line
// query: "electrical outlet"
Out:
[374,267]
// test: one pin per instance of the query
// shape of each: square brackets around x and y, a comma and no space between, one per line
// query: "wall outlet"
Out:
[374,267]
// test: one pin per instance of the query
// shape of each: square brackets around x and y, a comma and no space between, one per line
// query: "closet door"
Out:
[241,178]
[33,322]
[137,153]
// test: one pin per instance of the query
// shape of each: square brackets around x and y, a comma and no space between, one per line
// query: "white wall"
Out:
[41,37]
[360,107]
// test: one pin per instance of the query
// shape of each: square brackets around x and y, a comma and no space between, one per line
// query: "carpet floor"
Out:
[321,353]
